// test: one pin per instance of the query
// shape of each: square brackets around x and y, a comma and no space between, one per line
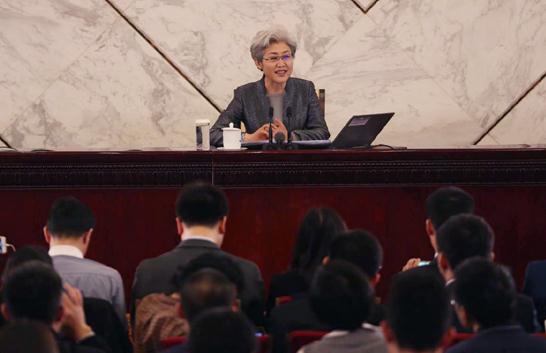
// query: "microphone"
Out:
[270,123]
[279,139]
[288,123]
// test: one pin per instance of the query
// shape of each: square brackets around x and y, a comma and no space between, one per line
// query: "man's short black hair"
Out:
[465,236]
[217,261]
[447,202]
[26,254]
[360,248]
[487,292]
[222,330]
[341,295]
[69,217]
[201,204]
[33,291]
[418,310]
[206,289]
[27,336]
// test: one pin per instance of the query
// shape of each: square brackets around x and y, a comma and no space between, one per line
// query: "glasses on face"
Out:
[276,58]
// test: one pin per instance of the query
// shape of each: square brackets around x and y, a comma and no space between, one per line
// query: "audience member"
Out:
[417,314]
[27,337]
[534,286]
[222,330]
[34,291]
[310,249]
[317,229]
[201,216]
[68,232]
[485,300]
[440,205]
[205,289]
[363,250]
[342,297]
[157,316]
[465,236]
[99,313]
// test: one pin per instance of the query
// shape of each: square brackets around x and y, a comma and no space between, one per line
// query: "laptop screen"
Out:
[361,130]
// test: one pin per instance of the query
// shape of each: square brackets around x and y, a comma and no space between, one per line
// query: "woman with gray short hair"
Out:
[295,106]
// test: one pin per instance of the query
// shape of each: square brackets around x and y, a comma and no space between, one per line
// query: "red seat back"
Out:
[298,339]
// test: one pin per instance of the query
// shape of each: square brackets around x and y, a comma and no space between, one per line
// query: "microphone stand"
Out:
[270,145]
[270,125]
[289,144]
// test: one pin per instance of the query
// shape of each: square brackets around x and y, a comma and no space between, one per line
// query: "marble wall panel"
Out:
[483,53]
[366,72]
[365,4]
[38,40]
[525,124]
[209,40]
[119,95]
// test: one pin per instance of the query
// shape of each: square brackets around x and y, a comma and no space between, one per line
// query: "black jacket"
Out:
[155,276]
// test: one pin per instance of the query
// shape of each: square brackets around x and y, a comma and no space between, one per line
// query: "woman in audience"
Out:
[317,230]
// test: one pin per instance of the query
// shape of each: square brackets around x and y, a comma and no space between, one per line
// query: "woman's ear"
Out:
[259,65]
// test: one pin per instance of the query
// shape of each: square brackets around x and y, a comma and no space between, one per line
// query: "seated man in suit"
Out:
[34,291]
[363,250]
[534,286]
[222,330]
[68,232]
[417,314]
[485,298]
[203,290]
[201,216]
[465,236]
[159,316]
[442,204]
[341,296]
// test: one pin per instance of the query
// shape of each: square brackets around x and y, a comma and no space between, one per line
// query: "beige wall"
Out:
[74,74]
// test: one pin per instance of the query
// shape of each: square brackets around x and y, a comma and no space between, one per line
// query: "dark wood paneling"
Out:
[133,194]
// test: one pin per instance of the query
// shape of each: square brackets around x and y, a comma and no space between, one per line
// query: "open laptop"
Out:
[361,130]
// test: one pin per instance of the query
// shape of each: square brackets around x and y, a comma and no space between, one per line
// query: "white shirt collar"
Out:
[338,333]
[67,250]
[197,237]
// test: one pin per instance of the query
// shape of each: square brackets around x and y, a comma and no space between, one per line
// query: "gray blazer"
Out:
[250,105]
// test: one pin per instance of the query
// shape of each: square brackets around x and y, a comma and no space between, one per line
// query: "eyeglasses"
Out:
[276,58]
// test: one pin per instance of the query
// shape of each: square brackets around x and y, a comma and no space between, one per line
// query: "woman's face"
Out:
[277,63]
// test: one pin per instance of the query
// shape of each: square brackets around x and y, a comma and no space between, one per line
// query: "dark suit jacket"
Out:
[501,339]
[288,283]
[250,105]
[534,285]
[91,344]
[155,276]
[292,316]
[105,322]
[525,314]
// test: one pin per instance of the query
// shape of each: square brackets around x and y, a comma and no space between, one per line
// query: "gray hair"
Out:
[263,39]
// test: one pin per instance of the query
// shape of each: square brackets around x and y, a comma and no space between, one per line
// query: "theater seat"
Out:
[172,341]
[264,342]
[298,339]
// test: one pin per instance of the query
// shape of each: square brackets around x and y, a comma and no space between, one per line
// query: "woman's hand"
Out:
[278,126]
[259,135]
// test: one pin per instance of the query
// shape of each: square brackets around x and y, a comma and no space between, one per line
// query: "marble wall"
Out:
[135,74]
